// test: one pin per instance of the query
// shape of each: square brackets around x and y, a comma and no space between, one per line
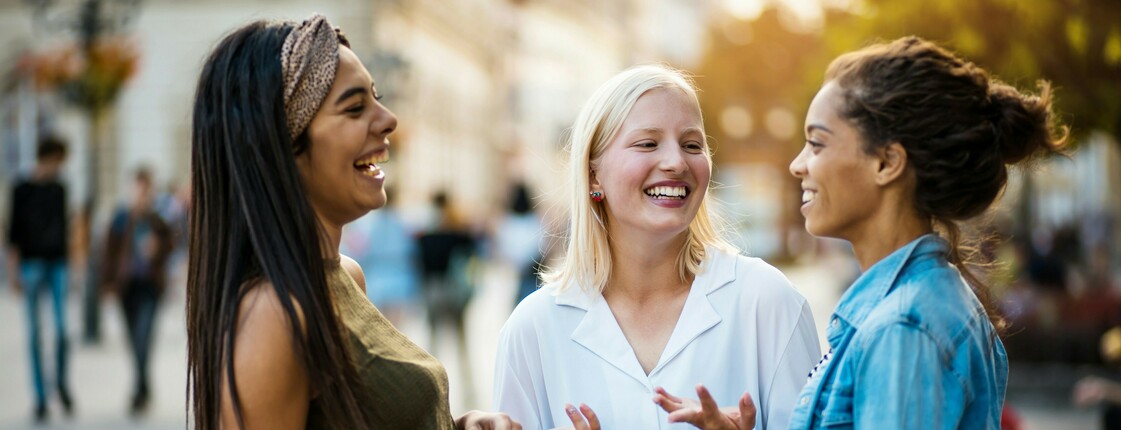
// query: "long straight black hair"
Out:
[251,222]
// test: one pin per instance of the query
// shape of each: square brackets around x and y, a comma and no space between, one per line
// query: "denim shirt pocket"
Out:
[836,412]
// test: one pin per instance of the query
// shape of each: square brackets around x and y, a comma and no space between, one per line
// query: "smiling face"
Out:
[655,172]
[839,189]
[348,138]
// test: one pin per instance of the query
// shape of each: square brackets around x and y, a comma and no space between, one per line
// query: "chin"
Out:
[813,229]
[818,230]
[376,205]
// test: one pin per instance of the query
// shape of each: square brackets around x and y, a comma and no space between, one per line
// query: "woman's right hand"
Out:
[706,414]
[583,419]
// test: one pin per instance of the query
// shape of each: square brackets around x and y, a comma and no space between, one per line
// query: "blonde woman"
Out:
[649,294]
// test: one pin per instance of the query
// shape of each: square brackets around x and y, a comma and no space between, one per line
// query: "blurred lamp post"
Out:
[105,61]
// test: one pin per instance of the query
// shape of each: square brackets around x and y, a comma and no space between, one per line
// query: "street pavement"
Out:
[101,375]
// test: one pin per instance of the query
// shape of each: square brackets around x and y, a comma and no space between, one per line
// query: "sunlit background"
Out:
[485,90]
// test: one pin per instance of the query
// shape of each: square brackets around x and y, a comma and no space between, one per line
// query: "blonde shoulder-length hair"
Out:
[587,259]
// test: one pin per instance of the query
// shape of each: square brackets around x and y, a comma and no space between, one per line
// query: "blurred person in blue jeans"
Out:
[137,248]
[904,142]
[37,255]
[518,240]
[384,246]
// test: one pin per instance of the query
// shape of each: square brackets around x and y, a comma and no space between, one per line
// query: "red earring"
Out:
[597,196]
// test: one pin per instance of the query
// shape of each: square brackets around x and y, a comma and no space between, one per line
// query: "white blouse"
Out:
[743,328]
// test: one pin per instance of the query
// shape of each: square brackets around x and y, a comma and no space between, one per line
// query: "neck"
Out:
[877,241]
[43,174]
[643,268]
[330,235]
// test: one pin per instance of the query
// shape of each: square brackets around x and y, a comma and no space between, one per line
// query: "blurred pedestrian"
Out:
[134,266]
[649,293]
[518,240]
[288,135]
[384,246]
[1103,392]
[37,257]
[904,142]
[449,261]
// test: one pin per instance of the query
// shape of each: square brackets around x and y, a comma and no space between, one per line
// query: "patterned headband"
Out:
[308,62]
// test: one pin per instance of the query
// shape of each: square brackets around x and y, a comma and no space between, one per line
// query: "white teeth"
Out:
[808,196]
[666,192]
[370,170]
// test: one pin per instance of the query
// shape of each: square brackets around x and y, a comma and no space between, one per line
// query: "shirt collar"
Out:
[599,332]
[875,283]
[718,270]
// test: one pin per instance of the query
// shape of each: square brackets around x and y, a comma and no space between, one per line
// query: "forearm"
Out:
[13,260]
[1112,392]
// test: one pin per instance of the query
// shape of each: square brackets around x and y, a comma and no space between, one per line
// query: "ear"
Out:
[593,181]
[892,161]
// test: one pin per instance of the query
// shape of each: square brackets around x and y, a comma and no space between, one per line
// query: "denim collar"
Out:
[879,280]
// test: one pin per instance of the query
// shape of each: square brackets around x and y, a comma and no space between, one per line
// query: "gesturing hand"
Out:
[706,414]
[476,420]
[582,419]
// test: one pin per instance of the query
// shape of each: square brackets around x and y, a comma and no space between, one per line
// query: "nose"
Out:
[798,165]
[673,160]
[384,123]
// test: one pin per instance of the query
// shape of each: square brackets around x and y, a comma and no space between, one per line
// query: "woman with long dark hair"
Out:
[287,136]
[905,141]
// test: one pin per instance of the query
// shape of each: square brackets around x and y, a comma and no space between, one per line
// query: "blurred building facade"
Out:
[484,89]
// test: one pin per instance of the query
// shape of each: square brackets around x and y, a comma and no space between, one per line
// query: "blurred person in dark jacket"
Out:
[37,254]
[138,244]
[449,258]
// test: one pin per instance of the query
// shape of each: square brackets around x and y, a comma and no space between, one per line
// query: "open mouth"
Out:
[369,166]
[667,193]
[808,196]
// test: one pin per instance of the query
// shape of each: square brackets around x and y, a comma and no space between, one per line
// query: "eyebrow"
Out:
[813,127]
[658,130]
[352,91]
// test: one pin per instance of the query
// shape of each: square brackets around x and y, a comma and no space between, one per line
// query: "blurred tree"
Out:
[757,78]
[751,69]
[1075,44]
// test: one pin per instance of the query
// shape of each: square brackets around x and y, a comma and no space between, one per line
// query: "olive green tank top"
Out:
[406,387]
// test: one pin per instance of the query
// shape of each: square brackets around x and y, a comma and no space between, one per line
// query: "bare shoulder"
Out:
[354,270]
[272,386]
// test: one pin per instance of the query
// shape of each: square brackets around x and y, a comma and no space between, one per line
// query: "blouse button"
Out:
[805,401]
[835,322]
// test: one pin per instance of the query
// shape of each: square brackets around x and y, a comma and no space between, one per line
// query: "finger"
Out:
[665,393]
[686,415]
[708,404]
[593,420]
[747,412]
[578,422]
[500,423]
[666,404]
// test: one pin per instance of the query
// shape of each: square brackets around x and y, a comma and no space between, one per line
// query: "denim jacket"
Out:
[911,347]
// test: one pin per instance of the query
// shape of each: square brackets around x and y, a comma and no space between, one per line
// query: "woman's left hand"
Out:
[478,420]
[706,414]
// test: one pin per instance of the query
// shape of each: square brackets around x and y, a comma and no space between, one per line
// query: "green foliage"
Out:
[1075,44]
